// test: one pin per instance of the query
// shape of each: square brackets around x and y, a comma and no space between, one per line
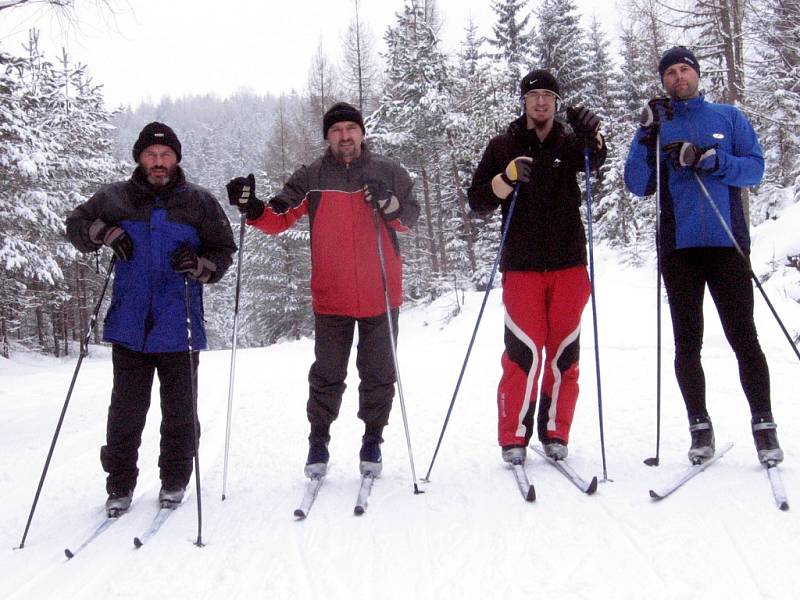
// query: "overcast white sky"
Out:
[155,48]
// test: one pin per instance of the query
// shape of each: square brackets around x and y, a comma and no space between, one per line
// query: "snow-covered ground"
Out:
[470,535]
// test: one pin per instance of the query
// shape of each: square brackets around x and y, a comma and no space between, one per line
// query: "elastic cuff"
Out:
[255,209]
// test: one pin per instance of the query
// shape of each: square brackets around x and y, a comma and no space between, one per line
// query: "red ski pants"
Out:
[542,326]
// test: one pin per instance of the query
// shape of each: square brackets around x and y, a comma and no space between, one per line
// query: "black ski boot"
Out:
[317,461]
[702,433]
[765,436]
[119,501]
[171,497]
[370,455]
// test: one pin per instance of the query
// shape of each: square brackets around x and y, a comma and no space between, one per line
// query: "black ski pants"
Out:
[686,273]
[130,400]
[333,339]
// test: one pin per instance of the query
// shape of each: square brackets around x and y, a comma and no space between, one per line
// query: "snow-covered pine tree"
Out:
[623,220]
[561,47]
[409,125]
[360,73]
[512,44]
[57,152]
[774,103]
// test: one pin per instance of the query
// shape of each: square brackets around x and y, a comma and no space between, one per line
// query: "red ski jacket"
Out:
[345,265]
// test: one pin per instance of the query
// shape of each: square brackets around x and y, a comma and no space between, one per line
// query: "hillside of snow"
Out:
[470,535]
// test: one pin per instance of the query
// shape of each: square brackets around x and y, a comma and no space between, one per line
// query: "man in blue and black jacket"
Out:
[162,230]
[717,143]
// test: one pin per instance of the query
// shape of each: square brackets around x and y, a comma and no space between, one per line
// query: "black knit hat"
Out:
[341,111]
[539,79]
[156,133]
[677,54]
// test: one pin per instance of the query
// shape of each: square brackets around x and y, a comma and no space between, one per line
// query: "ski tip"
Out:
[300,514]
[137,543]
[592,487]
[655,496]
[68,553]
[531,495]
[358,510]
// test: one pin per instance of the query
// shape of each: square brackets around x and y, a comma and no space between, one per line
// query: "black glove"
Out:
[378,194]
[242,195]
[687,155]
[653,113]
[518,170]
[584,122]
[113,236]
[185,260]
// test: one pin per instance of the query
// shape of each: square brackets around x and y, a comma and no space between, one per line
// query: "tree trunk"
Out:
[469,233]
[426,196]
[442,226]
[40,329]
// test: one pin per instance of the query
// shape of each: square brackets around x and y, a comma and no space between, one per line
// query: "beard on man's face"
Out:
[159,176]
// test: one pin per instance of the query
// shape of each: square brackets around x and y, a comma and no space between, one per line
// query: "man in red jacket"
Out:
[340,192]
[545,283]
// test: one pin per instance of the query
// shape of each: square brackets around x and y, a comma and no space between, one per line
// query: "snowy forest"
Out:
[432,110]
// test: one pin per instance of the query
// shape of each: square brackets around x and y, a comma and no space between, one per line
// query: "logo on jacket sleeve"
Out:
[718,136]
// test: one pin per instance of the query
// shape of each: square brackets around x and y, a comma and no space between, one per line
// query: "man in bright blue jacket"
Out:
[169,237]
[717,143]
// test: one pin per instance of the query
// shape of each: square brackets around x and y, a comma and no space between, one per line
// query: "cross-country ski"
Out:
[364,489]
[778,490]
[310,492]
[523,483]
[101,527]
[563,467]
[166,509]
[689,473]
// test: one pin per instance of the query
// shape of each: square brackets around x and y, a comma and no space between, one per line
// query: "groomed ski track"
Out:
[470,535]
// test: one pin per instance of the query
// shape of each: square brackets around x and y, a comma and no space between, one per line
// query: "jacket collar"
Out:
[363,158]
[146,190]
[518,129]
[692,104]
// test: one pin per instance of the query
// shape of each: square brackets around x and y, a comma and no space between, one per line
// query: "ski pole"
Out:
[382,259]
[195,420]
[233,354]
[586,168]
[475,330]
[653,461]
[83,352]
[746,260]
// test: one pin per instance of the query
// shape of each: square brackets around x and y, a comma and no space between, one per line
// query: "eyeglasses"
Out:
[537,94]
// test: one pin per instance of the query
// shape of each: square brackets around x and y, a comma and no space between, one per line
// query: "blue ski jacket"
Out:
[147,311]
[687,221]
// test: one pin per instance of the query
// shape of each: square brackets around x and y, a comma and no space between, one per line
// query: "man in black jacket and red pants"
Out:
[545,281]
[339,192]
